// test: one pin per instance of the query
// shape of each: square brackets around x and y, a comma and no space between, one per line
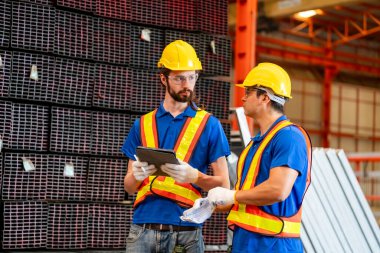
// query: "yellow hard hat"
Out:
[179,55]
[269,75]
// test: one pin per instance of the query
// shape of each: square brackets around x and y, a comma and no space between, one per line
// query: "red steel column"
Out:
[245,44]
[330,72]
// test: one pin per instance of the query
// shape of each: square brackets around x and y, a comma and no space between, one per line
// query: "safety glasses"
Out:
[180,79]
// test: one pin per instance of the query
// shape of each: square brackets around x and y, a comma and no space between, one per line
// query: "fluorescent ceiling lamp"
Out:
[307,14]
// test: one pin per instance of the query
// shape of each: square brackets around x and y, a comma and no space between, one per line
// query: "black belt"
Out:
[165,227]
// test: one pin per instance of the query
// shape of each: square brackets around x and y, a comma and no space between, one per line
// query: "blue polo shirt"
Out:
[287,148]
[211,145]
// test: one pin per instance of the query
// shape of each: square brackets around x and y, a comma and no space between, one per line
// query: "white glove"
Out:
[201,211]
[182,172]
[141,170]
[221,196]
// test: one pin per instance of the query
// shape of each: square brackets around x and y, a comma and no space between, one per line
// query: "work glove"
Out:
[200,212]
[221,196]
[141,170]
[182,172]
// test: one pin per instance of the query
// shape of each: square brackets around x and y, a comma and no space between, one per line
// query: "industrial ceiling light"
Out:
[307,14]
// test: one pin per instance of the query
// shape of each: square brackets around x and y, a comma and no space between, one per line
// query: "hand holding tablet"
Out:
[157,157]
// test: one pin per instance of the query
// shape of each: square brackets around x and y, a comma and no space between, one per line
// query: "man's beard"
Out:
[177,96]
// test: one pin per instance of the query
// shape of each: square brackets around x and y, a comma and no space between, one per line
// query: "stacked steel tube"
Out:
[74,75]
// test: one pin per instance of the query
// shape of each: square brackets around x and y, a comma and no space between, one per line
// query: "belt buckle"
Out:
[161,227]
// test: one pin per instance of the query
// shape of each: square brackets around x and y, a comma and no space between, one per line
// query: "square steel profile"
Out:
[67,178]
[112,87]
[120,9]
[32,26]
[5,23]
[83,5]
[146,91]
[70,130]
[67,226]
[74,35]
[43,2]
[38,89]
[215,96]
[73,82]
[181,14]
[111,40]
[227,130]
[214,16]
[108,132]
[19,184]
[150,12]
[146,45]
[5,72]
[108,225]
[105,181]
[6,122]
[215,230]
[218,56]
[30,128]
[25,225]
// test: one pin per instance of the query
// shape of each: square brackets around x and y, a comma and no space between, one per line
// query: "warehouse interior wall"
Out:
[94,74]
[354,111]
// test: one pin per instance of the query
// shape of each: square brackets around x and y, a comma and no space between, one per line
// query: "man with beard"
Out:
[199,142]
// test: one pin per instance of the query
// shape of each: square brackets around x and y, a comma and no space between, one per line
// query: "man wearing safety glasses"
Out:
[273,171]
[199,142]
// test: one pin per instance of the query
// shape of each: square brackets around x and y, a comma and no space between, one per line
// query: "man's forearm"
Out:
[207,182]
[130,183]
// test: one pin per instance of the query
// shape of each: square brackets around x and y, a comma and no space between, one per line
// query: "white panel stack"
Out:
[336,215]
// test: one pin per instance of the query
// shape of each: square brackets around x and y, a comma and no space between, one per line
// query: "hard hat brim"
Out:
[241,85]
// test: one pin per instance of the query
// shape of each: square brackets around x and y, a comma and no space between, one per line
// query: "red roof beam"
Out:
[370,6]
[285,43]
[339,17]
[316,60]
[309,48]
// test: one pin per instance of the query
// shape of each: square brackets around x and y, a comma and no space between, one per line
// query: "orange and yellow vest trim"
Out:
[183,193]
[251,217]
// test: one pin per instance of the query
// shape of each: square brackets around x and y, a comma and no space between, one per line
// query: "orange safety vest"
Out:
[183,193]
[251,217]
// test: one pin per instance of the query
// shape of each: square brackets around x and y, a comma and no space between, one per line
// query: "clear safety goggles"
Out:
[180,79]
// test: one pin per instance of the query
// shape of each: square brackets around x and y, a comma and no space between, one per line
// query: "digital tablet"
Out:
[156,156]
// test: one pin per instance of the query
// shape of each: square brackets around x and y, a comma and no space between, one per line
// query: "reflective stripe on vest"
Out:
[183,193]
[148,130]
[251,217]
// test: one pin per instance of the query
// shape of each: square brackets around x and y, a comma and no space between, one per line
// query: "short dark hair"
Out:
[164,71]
[276,106]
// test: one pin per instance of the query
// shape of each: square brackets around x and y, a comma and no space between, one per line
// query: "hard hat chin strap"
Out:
[273,97]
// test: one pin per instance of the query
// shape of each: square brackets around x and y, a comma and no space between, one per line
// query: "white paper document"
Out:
[201,211]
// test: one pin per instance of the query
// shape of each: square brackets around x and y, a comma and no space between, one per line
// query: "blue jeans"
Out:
[142,240]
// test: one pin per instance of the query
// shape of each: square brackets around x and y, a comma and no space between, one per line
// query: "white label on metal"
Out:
[34,73]
[68,170]
[145,34]
[28,164]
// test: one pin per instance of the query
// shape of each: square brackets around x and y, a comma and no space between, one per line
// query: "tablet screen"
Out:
[157,157]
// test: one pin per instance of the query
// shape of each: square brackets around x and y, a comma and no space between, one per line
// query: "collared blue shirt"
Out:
[211,145]
[286,149]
